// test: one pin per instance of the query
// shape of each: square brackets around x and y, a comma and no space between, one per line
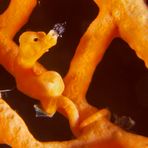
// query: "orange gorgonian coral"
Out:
[91,127]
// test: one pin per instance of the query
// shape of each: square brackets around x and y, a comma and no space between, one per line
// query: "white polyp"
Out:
[53,33]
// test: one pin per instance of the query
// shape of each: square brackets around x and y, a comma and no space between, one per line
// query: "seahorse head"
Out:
[34,44]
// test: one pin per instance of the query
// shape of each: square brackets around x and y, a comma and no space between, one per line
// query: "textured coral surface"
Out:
[90,125]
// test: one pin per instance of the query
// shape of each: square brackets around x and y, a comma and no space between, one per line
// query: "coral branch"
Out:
[16,16]
[133,16]
[13,128]
[99,134]
[16,134]
[88,54]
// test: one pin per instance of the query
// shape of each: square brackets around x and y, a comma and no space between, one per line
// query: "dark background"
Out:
[120,82]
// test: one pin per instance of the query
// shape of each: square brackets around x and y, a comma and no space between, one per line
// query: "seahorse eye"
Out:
[35,39]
